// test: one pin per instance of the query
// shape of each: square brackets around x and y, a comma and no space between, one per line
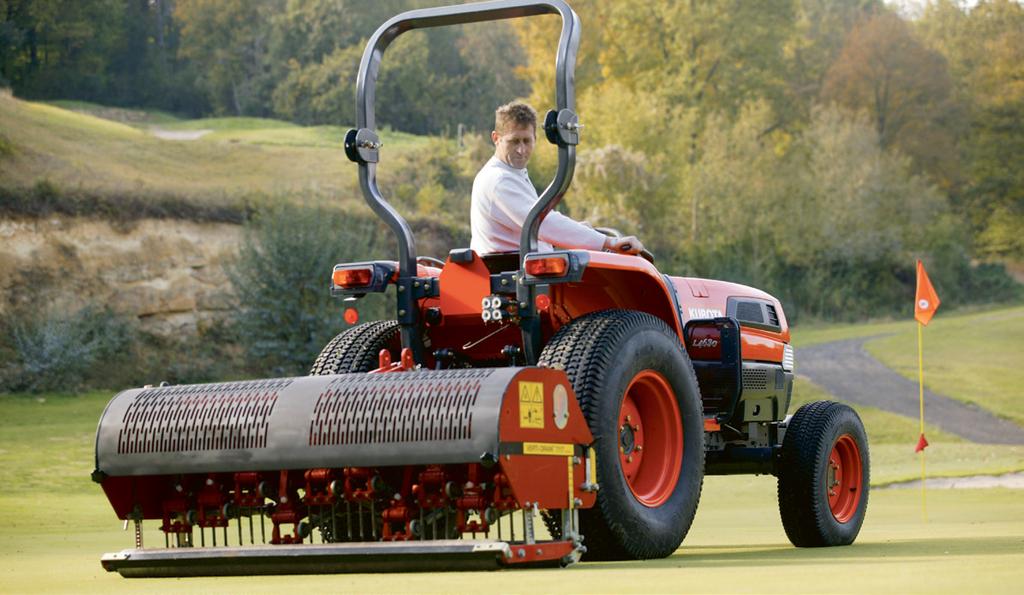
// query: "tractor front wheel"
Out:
[638,391]
[823,475]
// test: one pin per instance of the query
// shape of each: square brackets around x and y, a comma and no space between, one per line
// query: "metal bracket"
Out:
[363,145]
[562,127]
[504,283]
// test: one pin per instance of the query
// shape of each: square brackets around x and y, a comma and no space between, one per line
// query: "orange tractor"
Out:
[526,408]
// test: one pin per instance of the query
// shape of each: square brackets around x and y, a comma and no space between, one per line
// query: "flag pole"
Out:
[920,377]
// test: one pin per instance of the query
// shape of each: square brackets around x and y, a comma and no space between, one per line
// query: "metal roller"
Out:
[426,417]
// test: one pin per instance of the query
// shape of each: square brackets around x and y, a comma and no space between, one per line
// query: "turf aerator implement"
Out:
[525,408]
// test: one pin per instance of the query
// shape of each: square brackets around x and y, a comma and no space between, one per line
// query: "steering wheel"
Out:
[614,233]
[430,260]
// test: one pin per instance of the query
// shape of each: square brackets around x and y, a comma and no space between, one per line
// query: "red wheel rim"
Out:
[843,478]
[650,438]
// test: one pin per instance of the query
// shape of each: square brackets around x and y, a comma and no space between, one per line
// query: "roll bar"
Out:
[561,127]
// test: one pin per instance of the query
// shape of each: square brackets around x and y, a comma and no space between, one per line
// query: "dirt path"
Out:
[178,134]
[848,371]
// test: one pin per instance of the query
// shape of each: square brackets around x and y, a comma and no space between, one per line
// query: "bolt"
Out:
[575,460]
[401,312]
[629,459]
[638,448]
[522,304]
[521,553]
[539,552]
[629,419]
[401,288]
[415,283]
[504,281]
[577,502]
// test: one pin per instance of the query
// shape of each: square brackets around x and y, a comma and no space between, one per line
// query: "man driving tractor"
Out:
[503,195]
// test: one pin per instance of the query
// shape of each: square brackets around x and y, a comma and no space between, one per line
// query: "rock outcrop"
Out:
[167,273]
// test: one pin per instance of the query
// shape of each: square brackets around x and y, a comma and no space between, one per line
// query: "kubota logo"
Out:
[705,343]
[705,313]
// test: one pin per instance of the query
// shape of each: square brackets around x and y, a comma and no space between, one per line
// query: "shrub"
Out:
[57,349]
[281,280]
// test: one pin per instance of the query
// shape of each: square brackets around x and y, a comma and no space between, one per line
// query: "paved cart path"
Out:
[846,370]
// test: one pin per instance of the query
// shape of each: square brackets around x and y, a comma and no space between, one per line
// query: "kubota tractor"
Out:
[585,390]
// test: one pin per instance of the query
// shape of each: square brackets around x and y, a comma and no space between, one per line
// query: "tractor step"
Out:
[328,558]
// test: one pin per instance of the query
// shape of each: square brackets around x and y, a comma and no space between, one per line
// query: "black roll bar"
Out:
[561,126]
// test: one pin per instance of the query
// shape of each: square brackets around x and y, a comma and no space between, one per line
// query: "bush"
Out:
[58,349]
[281,280]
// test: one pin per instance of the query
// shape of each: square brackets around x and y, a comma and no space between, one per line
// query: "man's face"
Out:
[515,145]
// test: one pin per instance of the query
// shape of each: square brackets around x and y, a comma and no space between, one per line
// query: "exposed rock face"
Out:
[167,273]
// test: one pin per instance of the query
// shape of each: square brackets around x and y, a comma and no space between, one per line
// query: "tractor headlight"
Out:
[788,359]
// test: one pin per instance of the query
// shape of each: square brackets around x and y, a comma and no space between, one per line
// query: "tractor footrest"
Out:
[317,559]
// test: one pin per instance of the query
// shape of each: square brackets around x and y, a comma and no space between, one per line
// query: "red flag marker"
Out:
[926,301]
[922,443]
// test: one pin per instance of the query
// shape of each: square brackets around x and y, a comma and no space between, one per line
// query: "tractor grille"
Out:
[755,379]
[395,408]
[749,312]
[199,417]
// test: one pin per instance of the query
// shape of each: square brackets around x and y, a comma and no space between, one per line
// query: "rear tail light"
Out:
[547,266]
[353,277]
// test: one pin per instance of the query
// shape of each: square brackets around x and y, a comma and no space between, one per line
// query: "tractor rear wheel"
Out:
[638,391]
[357,349]
[823,475]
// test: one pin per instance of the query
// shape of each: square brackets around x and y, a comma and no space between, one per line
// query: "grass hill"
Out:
[85,148]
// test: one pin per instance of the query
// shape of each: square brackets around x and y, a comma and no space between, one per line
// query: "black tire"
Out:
[603,354]
[818,431]
[358,349]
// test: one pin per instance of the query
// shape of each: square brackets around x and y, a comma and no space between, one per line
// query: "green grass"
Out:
[132,117]
[976,358]
[57,523]
[882,427]
[114,151]
[971,543]
[892,439]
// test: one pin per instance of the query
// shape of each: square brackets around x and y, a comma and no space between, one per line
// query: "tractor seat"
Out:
[496,262]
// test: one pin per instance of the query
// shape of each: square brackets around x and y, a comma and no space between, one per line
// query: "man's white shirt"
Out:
[502,198]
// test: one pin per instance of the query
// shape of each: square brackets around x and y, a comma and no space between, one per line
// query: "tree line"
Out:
[814,148]
[290,59]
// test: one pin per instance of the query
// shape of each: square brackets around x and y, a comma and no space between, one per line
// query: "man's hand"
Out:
[624,245]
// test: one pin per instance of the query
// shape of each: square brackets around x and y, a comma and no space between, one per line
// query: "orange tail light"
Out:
[357,277]
[548,266]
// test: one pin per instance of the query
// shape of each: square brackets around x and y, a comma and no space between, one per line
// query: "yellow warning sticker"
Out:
[547,448]
[531,404]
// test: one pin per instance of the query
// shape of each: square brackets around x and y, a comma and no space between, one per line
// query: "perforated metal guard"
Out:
[755,379]
[392,408]
[199,417]
[406,418]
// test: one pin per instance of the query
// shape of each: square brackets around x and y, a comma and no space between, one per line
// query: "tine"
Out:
[348,518]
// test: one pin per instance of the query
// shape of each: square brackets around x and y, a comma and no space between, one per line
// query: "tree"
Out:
[985,50]
[229,42]
[904,87]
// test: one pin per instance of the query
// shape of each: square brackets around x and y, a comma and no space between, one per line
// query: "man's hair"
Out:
[514,115]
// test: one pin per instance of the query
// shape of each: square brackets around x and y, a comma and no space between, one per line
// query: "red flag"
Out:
[926,302]
[922,443]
